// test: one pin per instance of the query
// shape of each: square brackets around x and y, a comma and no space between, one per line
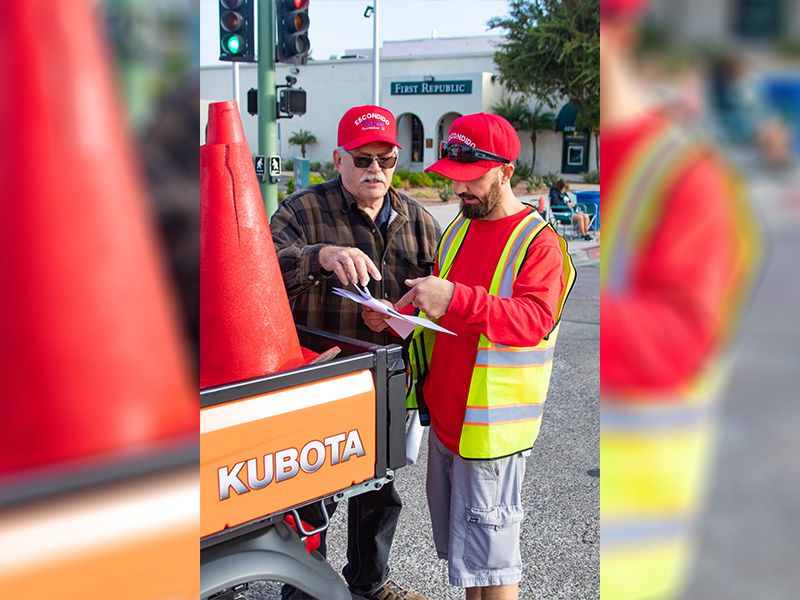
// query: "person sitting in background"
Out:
[562,203]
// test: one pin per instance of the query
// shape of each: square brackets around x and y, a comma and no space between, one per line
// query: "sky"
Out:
[336,25]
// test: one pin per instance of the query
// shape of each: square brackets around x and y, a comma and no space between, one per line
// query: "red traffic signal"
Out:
[292,41]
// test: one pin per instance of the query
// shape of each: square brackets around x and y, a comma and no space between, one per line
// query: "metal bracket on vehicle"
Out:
[367,486]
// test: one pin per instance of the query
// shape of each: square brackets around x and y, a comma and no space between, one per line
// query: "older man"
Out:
[357,229]
[503,275]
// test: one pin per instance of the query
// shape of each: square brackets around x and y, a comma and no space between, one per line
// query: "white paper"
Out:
[414,431]
[404,325]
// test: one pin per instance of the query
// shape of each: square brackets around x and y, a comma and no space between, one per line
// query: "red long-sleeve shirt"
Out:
[662,329]
[522,320]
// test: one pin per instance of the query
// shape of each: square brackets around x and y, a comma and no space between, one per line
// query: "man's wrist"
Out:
[315,269]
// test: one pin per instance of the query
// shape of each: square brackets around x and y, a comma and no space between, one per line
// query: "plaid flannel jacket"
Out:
[327,214]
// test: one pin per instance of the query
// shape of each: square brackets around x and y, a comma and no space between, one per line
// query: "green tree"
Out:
[552,50]
[522,118]
[302,138]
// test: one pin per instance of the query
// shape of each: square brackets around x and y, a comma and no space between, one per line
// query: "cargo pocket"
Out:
[492,537]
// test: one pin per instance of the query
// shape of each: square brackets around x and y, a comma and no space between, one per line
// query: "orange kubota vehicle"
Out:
[271,445]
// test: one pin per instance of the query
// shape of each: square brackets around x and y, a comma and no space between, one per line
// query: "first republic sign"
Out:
[413,88]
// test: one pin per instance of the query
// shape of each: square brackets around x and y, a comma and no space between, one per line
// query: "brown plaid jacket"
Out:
[327,214]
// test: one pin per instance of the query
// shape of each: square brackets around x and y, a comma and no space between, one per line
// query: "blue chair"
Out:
[561,216]
[591,210]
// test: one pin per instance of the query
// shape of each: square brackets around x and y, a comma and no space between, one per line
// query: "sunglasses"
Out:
[384,162]
[467,154]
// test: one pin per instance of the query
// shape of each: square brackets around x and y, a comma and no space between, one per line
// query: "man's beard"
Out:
[484,206]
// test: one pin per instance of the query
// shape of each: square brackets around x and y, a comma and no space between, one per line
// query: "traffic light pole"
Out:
[267,122]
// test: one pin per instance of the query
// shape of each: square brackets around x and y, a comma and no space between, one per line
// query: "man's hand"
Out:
[351,265]
[373,319]
[431,294]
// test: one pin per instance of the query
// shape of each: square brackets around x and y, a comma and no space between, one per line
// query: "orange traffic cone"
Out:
[91,363]
[246,325]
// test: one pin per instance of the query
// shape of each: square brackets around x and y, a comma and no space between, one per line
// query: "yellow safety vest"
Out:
[654,452]
[509,384]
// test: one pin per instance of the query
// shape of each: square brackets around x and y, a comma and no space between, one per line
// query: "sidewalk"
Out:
[581,251]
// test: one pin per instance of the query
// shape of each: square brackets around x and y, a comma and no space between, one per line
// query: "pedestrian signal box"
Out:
[292,102]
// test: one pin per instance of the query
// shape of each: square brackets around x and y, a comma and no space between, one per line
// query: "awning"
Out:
[565,121]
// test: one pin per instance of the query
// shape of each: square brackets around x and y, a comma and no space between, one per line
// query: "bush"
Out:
[315,166]
[521,173]
[403,175]
[420,180]
[288,165]
[533,183]
[281,196]
[446,192]
[328,171]
[397,182]
[313,179]
[591,177]
[550,178]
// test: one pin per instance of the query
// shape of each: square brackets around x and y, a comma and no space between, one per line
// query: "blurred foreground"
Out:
[725,526]
[98,445]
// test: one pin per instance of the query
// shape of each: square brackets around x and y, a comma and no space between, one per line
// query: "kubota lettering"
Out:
[252,472]
[352,446]
[333,443]
[319,448]
[229,480]
[285,464]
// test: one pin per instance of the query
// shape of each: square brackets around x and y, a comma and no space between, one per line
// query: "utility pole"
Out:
[235,67]
[376,58]
[267,117]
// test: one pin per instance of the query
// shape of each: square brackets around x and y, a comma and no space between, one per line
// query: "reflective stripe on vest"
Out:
[505,357]
[501,414]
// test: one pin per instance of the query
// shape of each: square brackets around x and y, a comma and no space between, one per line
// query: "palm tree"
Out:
[537,120]
[522,118]
[302,138]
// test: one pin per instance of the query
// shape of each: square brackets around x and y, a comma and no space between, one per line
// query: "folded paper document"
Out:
[402,324]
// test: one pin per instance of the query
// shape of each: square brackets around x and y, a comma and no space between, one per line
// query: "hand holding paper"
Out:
[404,325]
[431,295]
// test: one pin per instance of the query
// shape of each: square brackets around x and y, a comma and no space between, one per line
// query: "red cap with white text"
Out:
[481,131]
[362,125]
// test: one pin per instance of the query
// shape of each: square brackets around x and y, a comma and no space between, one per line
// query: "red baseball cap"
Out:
[362,125]
[482,131]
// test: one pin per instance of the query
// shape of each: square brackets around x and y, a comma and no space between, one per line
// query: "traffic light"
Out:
[292,102]
[293,44]
[237,29]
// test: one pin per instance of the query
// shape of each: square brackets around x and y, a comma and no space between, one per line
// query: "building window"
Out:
[417,139]
[759,19]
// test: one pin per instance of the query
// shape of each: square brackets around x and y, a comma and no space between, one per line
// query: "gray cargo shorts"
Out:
[476,513]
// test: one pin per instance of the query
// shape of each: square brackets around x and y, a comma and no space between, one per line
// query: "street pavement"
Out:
[560,533]
[747,538]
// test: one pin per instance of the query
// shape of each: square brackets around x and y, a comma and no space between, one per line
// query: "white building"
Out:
[425,83]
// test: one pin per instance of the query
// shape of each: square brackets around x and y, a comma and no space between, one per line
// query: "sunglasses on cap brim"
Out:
[467,154]
[362,162]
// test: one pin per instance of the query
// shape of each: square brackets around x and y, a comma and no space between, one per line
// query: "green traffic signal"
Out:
[232,45]
[237,30]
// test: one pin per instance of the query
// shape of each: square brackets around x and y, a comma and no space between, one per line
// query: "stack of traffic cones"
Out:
[246,325]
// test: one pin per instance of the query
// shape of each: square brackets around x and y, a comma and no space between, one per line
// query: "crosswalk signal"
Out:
[292,102]
[237,27]
[293,45]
